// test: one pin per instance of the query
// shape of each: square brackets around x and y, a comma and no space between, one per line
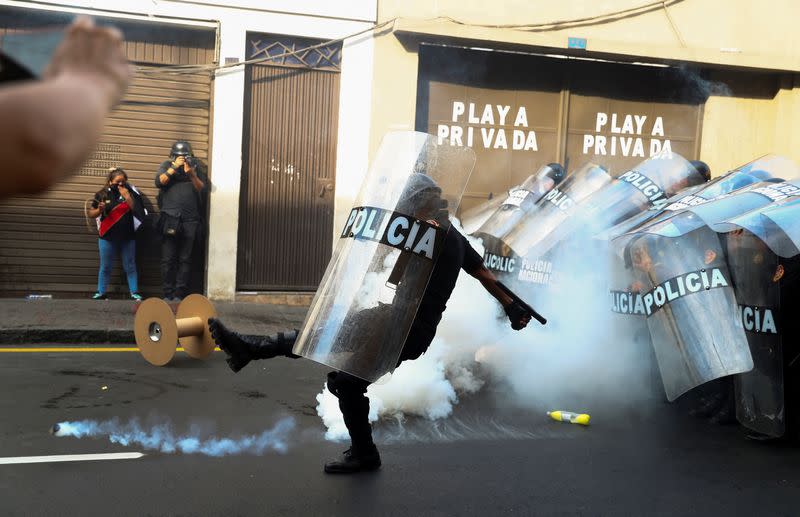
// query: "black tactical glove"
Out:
[516,312]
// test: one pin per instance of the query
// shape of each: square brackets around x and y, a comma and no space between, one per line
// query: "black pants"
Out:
[176,259]
[351,391]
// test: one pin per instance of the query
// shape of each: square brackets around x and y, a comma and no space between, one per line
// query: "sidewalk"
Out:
[67,321]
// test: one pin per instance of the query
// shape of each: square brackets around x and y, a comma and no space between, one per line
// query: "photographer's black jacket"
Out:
[179,197]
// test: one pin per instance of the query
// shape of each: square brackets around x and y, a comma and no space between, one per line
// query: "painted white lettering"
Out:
[487,134]
[501,140]
[639,123]
[359,222]
[614,128]
[600,145]
[458,110]
[455,136]
[769,323]
[350,220]
[488,115]
[412,235]
[638,148]
[442,131]
[659,296]
[473,119]
[671,295]
[394,235]
[522,117]
[369,231]
[588,143]
[426,243]
[747,318]
[600,121]
[503,111]
[693,282]
[658,127]
[718,279]
[627,125]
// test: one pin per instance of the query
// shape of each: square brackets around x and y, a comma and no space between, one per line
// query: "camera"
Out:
[192,161]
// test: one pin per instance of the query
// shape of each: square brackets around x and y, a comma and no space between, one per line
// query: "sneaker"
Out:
[136,296]
[99,296]
[352,461]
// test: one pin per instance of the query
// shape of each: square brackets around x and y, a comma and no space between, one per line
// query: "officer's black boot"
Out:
[362,455]
[242,349]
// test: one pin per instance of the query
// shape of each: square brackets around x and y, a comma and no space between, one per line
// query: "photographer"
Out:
[181,182]
[119,212]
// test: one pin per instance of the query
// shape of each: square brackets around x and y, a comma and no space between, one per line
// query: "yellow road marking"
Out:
[29,349]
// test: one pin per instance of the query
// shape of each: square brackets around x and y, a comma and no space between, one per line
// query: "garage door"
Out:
[521,111]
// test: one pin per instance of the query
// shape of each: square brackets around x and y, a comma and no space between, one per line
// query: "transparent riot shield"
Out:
[717,213]
[521,202]
[777,225]
[770,167]
[369,295]
[649,184]
[758,276]
[690,307]
[555,207]
[473,218]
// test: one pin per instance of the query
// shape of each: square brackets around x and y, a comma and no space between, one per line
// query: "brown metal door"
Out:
[289,162]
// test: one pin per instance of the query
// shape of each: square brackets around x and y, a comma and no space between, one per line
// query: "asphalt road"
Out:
[487,459]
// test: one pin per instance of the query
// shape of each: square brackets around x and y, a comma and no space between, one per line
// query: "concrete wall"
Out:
[308,18]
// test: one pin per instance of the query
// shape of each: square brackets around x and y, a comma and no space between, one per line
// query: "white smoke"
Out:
[578,362]
[163,438]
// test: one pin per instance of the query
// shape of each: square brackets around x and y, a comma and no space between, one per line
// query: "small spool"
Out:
[158,331]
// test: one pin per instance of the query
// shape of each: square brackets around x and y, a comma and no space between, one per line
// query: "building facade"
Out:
[288,139]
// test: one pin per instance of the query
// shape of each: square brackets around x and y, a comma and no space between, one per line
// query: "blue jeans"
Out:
[108,250]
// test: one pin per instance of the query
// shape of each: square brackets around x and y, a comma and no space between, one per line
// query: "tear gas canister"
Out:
[566,416]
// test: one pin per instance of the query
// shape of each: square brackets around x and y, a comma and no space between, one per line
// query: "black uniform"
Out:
[181,208]
[457,254]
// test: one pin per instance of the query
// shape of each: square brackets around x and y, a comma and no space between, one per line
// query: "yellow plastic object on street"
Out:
[566,416]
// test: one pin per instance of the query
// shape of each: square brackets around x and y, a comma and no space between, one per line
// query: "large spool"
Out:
[158,331]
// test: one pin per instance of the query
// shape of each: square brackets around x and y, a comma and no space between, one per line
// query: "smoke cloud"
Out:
[585,359]
[163,438]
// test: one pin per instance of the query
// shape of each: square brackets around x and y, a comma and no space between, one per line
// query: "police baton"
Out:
[530,310]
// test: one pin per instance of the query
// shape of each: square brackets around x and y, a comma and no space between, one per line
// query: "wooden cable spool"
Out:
[158,331]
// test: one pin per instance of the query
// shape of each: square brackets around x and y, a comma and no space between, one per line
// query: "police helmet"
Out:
[181,148]
[702,168]
[556,172]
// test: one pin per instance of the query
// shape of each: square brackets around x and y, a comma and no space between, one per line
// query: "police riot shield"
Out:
[716,213]
[777,225]
[684,289]
[474,218]
[555,207]
[765,168]
[758,276]
[521,202]
[364,307]
[649,184]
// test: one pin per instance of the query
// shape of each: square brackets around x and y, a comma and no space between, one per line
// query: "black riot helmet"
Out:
[702,168]
[556,172]
[181,148]
[422,195]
